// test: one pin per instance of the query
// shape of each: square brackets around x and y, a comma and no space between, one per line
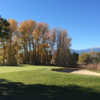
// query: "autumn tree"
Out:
[52,42]
[11,49]
[63,49]
[40,36]
[26,28]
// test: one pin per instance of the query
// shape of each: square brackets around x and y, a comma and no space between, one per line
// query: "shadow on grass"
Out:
[47,92]
[66,69]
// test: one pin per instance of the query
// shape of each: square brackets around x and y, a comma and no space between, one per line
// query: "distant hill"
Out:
[86,50]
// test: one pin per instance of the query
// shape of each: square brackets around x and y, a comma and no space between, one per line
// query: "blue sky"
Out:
[81,18]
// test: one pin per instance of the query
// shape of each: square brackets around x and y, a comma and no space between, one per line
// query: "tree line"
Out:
[89,58]
[30,42]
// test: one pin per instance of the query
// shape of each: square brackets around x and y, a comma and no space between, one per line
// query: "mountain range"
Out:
[87,50]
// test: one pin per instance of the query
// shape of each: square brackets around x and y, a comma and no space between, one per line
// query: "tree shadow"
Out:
[66,69]
[47,92]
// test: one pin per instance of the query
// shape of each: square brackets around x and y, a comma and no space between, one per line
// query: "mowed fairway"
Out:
[41,82]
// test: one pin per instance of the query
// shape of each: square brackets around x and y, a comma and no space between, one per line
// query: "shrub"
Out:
[84,58]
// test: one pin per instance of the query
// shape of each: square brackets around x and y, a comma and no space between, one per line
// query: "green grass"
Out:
[41,82]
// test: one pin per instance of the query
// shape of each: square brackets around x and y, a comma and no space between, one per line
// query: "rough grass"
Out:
[40,82]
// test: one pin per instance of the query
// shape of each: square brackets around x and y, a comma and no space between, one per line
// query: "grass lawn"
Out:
[40,82]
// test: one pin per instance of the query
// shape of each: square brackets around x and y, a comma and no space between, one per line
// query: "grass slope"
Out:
[41,82]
